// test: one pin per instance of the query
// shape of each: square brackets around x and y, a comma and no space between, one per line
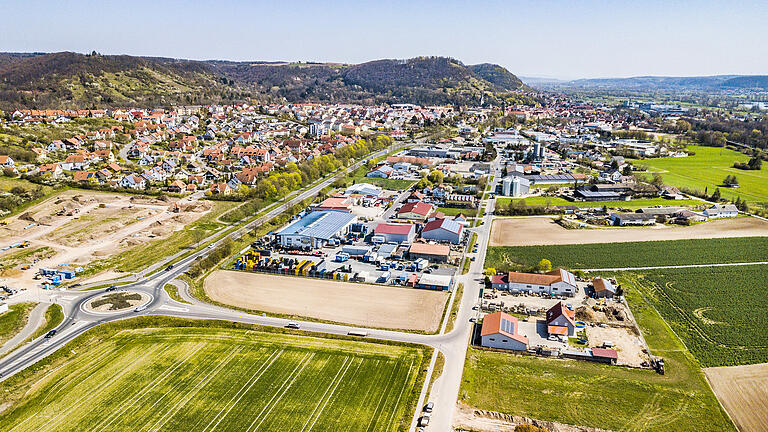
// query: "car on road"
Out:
[76,285]
[169,268]
[50,334]
[293,325]
[140,308]
[429,406]
[111,288]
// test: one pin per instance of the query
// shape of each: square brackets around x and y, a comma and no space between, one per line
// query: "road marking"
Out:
[173,308]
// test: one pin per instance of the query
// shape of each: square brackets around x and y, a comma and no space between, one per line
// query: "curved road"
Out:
[453,345]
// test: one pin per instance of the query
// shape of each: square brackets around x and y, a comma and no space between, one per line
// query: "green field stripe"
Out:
[227,408]
[155,404]
[334,415]
[382,399]
[163,377]
[109,383]
[83,371]
[181,403]
[397,403]
[327,396]
[281,392]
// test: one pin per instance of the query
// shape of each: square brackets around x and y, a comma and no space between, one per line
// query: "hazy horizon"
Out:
[588,39]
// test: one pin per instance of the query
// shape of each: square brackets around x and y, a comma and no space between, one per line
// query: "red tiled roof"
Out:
[492,324]
[386,228]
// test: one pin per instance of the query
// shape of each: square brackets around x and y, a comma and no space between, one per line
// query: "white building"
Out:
[556,282]
[500,331]
[721,211]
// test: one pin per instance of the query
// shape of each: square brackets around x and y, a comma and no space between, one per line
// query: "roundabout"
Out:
[116,302]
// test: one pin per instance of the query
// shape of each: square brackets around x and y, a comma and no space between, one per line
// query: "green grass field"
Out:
[716,311]
[14,320]
[207,379]
[450,211]
[633,204]
[633,254]
[708,168]
[358,176]
[590,394]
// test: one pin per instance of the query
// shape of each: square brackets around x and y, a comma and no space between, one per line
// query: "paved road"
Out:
[35,320]
[453,345]
[77,320]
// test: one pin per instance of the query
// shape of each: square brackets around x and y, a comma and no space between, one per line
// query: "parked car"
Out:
[429,406]
[553,338]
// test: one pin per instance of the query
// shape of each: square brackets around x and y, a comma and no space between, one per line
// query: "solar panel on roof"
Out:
[508,326]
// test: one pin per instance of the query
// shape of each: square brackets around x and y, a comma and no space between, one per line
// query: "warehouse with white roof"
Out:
[316,229]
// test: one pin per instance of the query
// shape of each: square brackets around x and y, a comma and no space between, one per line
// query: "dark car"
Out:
[50,334]
[170,267]
[111,288]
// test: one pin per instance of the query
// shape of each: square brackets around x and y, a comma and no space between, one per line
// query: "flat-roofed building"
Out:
[316,229]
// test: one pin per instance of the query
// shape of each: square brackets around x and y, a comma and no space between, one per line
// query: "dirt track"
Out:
[743,391]
[358,304]
[530,231]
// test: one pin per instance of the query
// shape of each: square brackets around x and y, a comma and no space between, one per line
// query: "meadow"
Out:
[716,311]
[14,320]
[596,395]
[707,169]
[209,379]
[632,254]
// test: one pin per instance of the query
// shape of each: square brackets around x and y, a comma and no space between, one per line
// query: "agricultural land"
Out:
[206,379]
[530,231]
[602,396]
[633,254]
[360,304]
[714,310]
[743,391]
[707,169]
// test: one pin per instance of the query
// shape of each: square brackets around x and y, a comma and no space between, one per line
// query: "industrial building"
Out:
[394,233]
[316,229]
[515,186]
[500,331]
[443,230]
[603,288]
[556,282]
[434,282]
[364,189]
[431,252]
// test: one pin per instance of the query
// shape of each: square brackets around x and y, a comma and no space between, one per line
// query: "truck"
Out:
[342,257]
[384,277]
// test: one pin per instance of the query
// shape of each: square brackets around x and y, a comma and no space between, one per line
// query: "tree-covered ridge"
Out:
[70,80]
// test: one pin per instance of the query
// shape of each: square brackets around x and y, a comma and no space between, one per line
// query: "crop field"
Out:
[633,254]
[221,379]
[708,168]
[634,204]
[602,396]
[717,312]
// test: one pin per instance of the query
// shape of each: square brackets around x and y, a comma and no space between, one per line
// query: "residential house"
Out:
[556,282]
[500,330]
[561,321]
[603,288]
[133,181]
[721,211]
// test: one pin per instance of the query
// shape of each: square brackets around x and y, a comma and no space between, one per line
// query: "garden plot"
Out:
[81,226]
[215,379]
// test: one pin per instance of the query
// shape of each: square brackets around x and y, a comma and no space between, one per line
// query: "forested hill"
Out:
[70,80]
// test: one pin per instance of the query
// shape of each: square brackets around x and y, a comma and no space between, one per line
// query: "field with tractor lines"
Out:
[222,379]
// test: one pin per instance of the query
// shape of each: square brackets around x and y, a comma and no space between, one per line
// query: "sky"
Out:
[554,39]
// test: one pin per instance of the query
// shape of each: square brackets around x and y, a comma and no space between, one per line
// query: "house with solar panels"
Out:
[316,229]
[500,330]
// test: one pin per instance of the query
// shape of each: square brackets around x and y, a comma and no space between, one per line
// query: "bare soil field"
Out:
[466,417]
[352,303]
[627,344]
[532,231]
[743,391]
[81,226]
